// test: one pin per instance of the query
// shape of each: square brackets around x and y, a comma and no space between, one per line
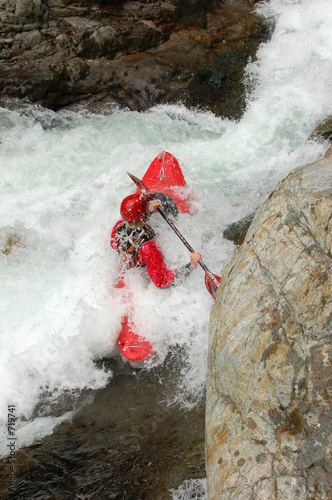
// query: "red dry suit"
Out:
[138,248]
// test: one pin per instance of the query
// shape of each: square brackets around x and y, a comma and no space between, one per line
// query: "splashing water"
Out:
[195,489]
[64,176]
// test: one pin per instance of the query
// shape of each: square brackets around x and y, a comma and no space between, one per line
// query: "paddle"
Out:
[211,280]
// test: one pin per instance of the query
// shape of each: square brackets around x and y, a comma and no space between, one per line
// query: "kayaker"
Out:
[136,244]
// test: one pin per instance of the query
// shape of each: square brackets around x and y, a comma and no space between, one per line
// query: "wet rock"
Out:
[324,129]
[139,54]
[237,231]
[11,238]
[269,369]
[7,245]
[128,441]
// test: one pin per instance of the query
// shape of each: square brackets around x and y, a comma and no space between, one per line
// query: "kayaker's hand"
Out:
[153,205]
[194,259]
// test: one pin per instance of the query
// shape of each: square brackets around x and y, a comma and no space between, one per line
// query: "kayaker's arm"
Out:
[160,275]
[152,257]
[183,272]
[167,203]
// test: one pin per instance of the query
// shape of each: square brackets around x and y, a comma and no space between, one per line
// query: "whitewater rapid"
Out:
[63,176]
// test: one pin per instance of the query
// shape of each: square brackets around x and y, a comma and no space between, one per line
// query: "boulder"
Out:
[268,411]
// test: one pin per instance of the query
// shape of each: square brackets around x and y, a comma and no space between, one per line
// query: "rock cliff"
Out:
[135,54]
[268,414]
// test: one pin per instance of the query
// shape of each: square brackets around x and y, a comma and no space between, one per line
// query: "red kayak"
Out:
[132,346]
[164,177]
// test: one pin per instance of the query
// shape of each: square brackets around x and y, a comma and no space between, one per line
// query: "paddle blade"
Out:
[212,283]
[140,184]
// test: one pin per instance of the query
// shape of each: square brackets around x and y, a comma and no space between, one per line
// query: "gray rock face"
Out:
[269,371]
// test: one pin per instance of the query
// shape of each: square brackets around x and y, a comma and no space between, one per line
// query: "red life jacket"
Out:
[129,242]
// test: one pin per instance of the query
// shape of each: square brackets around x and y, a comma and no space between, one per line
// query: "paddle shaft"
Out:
[185,242]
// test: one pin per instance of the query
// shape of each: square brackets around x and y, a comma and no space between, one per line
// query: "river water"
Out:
[63,176]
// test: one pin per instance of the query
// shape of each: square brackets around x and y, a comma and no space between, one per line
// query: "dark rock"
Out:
[324,130]
[237,231]
[135,54]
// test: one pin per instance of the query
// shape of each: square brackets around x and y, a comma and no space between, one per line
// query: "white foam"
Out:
[191,489]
